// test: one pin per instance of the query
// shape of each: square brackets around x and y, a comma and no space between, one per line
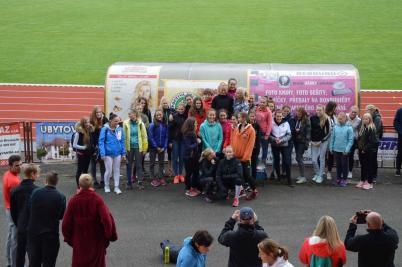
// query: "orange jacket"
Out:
[242,142]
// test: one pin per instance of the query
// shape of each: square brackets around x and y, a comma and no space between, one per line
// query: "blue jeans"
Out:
[319,152]
[177,157]
[264,147]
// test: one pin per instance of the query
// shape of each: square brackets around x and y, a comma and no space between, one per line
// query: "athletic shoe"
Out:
[367,186]
[181,177]
[314,178]
[163,182]
[207,199]
[235,202]
[96,184]
[242,193]
[187,193]
[252,195]
[141,186]
[301,180]
[176,179]
[107,189]
[193,193]
[343,183]
[117,190]
[197,191]
[350,175]
[360,184]
[155,183]
[329,177]
[319,179]
[398,173]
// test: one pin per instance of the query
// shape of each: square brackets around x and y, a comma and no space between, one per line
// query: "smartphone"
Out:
[361,217]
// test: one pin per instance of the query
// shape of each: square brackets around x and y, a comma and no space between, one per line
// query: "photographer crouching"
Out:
[377,247]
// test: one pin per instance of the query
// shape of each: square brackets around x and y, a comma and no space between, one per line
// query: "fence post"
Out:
[28,146]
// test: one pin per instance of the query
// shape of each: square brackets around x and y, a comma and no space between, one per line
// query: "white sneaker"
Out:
[107,189]
[314,178]
[319,179]
[329,177]
[350,175]
[301,180]
[117,190]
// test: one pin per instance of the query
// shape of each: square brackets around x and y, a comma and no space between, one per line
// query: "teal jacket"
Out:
[342,138]
[211,136]
[189,257]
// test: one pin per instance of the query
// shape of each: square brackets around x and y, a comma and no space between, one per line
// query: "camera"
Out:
[361,217]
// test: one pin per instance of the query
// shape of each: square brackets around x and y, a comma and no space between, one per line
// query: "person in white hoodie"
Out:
[272,254]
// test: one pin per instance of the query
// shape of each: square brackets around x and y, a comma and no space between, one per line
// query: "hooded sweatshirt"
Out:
[264,119]
[319,247]
[226,129]
[243,142]
[211,135]
[189,257]
[280,262]
[111,143]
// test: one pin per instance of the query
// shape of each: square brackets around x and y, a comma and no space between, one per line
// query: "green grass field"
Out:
[75,41]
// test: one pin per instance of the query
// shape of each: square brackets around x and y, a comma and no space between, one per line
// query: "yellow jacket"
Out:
[142,135]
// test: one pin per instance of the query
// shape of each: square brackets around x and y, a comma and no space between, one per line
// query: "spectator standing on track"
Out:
[240,104]
[272,254]
[367,143]
[287,116]
[264,120]
[223,100]
[136,145]
[83,145]
[198,112]
[145,107]
[301,134]
[211,133]
[176,138]
[330,110]
[207,97]
[18,209]
[377,120]
[46,209]
[195,250]
[320,134]
[97,120]
[398,129]
[189,104]
[340,143]
[257,145]
[377,247]
[243,242]
[353,120]
[168,119]
[251,102]
[324,246]
[88,226]
[112,151]
[226,128]
[11,180]
[158,142]
[232,87]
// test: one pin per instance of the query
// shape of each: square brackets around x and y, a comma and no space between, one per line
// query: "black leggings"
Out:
[191,178]
[82,166]
[246,166]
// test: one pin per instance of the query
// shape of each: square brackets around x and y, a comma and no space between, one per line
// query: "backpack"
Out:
[173,250]
[316,261]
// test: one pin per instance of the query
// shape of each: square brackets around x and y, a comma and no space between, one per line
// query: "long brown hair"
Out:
[193,109]
[96,123]
[85,132]
[304,117]
[269,246]
[188,126]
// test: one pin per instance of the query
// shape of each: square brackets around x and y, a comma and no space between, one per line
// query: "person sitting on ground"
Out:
[208,165]
[243,242]
[195,249]
[324,246]
[272,254]
[229,175]
[377,247]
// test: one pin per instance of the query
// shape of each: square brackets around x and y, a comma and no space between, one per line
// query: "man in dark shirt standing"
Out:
[243,242]
[377,248]
[46,209]
[18,205]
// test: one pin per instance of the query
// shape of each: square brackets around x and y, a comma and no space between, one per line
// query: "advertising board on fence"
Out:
[9,141]
[306,88]
[53,140]
[388,147]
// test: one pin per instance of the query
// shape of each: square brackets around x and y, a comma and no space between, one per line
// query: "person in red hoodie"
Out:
[264,120]
[88,226]
[324,245]
[207,97]
[242,142]
[226,128]
[198,112]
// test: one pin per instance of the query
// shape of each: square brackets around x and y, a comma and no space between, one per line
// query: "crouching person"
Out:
[195,249]
[208,165]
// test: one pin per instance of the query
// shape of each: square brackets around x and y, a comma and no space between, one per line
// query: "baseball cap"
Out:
[246,213]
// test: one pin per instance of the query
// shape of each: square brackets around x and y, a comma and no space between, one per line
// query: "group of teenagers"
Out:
[217,140]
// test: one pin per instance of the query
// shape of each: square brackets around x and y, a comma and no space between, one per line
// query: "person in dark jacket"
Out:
[301,135]
[18,209]
[377,247]
[158,142]
[97,120]
[176,137]
[367,143]
[229,175]
[46,208]
[223,100]
[243,242]
[256,148]
[190,156]
[83,144]
[398,129]
[168,119]
[377,120]
[208,166]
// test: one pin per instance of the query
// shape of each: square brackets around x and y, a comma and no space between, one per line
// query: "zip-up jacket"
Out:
[158,136]
[111,143]
[342,138]
[242,142]
[211,135]
[319,134]
[142,135]
[282,131]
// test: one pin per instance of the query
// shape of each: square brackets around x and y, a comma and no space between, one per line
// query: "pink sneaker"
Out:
[163,182]
[155,183]
[193,192]
[360,184]
[367,186]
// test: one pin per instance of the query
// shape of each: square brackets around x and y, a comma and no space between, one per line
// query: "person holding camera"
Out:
[377,247]
[243,242]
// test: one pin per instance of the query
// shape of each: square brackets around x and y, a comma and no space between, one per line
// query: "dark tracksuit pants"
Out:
[248,178]
[254,161]
[368,161]
[43,249]
[191,167]
[351,155]
[342,168]
[83,161]
[21,249]
[94,162]
[399,155]
[277,152]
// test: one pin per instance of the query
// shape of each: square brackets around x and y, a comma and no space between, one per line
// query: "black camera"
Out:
[361,217]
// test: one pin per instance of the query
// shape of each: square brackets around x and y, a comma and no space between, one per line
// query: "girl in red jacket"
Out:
[226,128]
[198,112]
[324,243]
[264,120]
